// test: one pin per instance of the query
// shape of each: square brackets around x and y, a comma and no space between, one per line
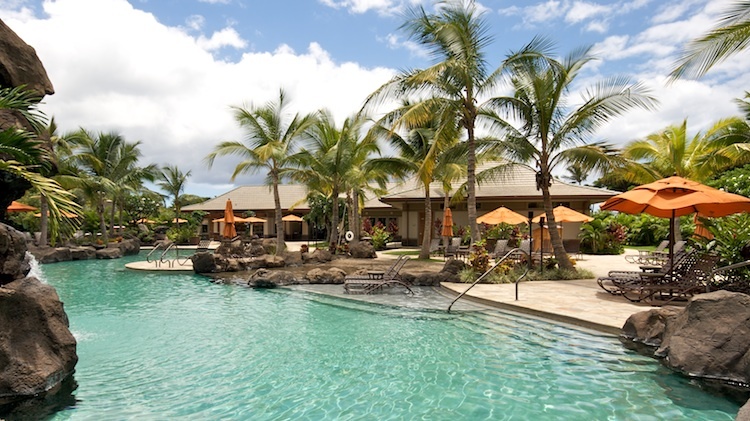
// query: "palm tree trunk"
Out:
[102,222]
[557,246]
[280,245]
[356,226]
[471,184]
[112,219]
[424,252]
[446,205]
[122,225]
[44,220]
[335,217]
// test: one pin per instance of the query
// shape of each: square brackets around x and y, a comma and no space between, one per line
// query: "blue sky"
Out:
[165,72]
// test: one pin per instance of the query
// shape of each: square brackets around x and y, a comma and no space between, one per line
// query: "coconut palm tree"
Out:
[456,37]
[731,35]
[107,166]
[172,181]
[270,138]
[541,131]
[326,163]
[421,151]
[576,174]
[672,151]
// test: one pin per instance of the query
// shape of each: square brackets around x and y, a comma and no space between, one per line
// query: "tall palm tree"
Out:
[542,132]
[327,161]
[107,164]
[456,37]
[172,181]
[731,35]
[576,174]
[422,152]
[270,138]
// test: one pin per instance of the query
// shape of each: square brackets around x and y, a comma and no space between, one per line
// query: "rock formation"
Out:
[19,65]
[707,339]
[37,350]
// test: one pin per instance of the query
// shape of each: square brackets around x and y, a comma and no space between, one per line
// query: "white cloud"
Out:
[581,10]
[363,6]
[160,85]
[195,22]
[216,1]
[395,42]
[227,37]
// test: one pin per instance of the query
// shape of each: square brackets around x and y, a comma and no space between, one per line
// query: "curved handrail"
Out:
[158,247]
[497,263]
[170,263]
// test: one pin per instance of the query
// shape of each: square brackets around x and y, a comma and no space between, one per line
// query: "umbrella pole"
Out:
[671,242]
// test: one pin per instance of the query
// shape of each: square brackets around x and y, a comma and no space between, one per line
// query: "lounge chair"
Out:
[376,281]
[453,249]
[203,246]
[573,247]
[688,277]
[616,280]
[657,256]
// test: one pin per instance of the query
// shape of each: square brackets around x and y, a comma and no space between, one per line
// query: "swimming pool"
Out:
[156,346]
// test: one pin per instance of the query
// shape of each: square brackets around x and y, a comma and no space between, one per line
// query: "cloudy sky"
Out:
[165,72]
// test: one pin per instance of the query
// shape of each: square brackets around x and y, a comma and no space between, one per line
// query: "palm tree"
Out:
[548,132]
[729,37]
[22,158]
[270,138]
[456,36]
[327,161]
[576,174]
[107,166]
[672,151]
[421,152]
[172,181]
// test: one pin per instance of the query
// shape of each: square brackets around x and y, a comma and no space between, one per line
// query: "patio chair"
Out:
[452,249]
[643,256]
[573,247]
[435,246]
[501,247]
[687,278]
[617,280]
[376,281]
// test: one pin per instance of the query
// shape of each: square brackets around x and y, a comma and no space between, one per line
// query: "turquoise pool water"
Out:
[156,346]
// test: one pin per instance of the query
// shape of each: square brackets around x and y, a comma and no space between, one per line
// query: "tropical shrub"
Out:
[602,236]
[380,236]
[479,258]
[732,243]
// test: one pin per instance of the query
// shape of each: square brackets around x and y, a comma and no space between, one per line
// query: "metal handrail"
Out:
[169,263]
[497,263]
[158,247]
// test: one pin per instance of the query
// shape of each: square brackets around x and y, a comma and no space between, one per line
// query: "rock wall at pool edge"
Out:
[37,350]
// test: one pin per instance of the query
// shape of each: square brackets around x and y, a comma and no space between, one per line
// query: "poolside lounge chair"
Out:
[452,249]
[617,279]
[573,247]
[688,277]
[376,281]
[203,246]
[656,256]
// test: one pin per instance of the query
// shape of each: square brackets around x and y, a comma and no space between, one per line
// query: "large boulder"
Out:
[109,253]
[320,256]
[362,250]
[128,247]
[37,350]
[19,64]
[203,262]
[329,276]
[83,253]
[264,278]
[52,254]
[706,339]
[14,264]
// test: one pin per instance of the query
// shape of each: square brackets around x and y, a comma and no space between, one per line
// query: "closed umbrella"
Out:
[229,230]
[447,223]
[502,215]
[675,196]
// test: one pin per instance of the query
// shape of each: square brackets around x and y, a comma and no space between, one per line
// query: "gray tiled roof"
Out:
[256,198]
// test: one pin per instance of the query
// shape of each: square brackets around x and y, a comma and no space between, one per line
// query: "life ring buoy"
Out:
[349,236]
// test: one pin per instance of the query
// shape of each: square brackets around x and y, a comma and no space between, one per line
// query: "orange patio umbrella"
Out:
[291,218]
[447,223]
[63,213]
[229,230]
[675,196]
[20,207]
[565,214]
[502,215]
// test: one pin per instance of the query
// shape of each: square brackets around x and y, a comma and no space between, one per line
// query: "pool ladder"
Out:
[512,253]
[158,262]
